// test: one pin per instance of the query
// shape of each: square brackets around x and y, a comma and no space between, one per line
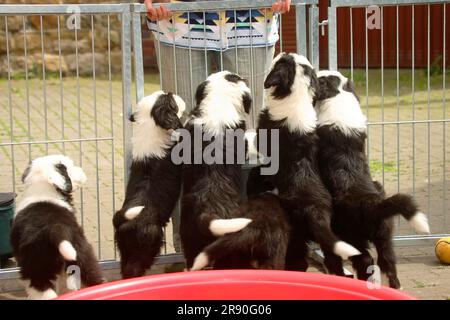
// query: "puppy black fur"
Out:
[155,184]
[37,231]
[303,194]
[260,245]
[362,213]
[211,191]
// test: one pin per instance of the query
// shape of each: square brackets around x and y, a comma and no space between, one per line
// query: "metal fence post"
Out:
[332,38]
[314,36]
[137,51]
[300,29]
[126,89]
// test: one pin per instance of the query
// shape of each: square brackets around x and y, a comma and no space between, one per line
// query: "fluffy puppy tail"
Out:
[228,243]
[124,215]
[67,250]
[404,205]
[220,227]
[219,249]
[60,237]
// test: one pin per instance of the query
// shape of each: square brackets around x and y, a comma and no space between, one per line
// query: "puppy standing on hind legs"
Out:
[45,235]
[362,213]
[290,89]
[154,184]
[211,190]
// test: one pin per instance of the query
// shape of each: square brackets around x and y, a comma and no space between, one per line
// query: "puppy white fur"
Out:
[67,251]
[160,141]
[45,228]
[220,227]
[222,106]
[295,109]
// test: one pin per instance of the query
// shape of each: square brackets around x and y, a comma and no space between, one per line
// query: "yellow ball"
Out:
[442,250]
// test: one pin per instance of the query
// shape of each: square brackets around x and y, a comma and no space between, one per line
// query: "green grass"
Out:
[376,166]
[375,86]
[390,80]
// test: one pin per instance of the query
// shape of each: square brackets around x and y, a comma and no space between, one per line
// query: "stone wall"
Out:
[47,44]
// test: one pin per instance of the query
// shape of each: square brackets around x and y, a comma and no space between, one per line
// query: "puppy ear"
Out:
[200,93]
[164,113]
[273,79]
[320,90]
[314,82]
[349,87]
[327,88]
[78,177]
[281,78]
[232,77]
[247,101]
[60,178]
[26,172]
[169,121]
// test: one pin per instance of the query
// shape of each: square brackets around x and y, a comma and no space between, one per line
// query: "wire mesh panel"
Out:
[62,78]
[67,88]
[397,55]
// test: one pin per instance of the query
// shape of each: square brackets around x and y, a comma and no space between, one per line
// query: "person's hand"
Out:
[154,14]
[282,6]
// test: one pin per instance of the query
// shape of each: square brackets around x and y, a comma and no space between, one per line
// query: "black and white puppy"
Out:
[154,183]
[290,89]
[260,245]
[45,235]
[362,213]
[211,191]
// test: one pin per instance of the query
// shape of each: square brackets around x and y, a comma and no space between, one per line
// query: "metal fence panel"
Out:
[69,88]
[66,73]
[406,107]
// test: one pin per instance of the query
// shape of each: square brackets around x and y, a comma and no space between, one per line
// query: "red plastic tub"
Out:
[237,285]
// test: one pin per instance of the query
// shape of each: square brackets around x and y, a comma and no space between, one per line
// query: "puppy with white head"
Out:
[45,235]
[154,183]
[290,90]
[362,213]
[211,191]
